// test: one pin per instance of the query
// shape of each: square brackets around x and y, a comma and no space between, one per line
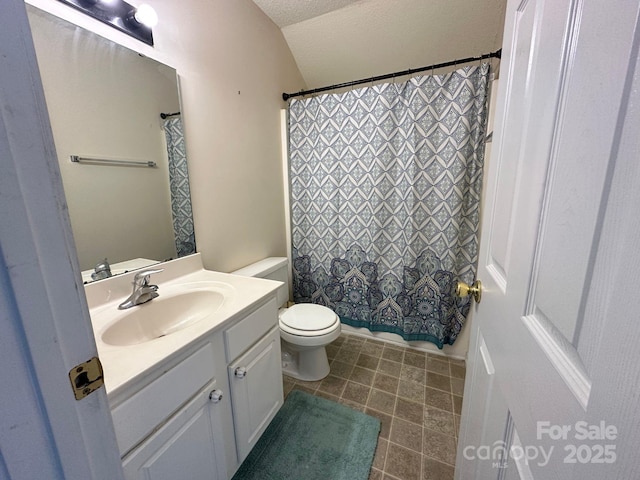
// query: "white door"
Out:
[44,320]
[551,388]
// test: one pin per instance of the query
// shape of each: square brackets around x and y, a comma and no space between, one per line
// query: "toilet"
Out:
[305,328]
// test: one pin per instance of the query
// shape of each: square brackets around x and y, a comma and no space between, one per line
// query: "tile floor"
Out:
[416,395]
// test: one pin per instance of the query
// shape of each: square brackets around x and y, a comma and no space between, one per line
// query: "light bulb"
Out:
[146,15]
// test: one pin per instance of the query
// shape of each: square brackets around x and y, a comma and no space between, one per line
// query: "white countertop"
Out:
[125,364]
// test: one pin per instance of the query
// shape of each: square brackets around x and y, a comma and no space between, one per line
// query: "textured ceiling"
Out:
[335,41]
[288,12]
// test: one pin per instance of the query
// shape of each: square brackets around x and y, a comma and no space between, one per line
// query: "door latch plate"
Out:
[86,377]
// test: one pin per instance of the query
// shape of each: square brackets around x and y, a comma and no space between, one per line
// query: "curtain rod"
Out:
[496,54]
[167,115]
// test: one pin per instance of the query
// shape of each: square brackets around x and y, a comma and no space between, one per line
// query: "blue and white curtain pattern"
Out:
[183,230]
[385,193]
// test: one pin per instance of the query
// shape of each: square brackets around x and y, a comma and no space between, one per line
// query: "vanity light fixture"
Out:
[145,15]
[135,22]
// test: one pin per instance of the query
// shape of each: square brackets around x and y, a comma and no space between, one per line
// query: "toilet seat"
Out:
[308,320]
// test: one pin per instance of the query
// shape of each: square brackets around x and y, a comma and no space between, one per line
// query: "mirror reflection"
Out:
[104,103]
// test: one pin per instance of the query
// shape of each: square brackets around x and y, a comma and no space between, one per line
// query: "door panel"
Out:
[482,434]
[548,182]
[531,93]
[501,233]
[518,468]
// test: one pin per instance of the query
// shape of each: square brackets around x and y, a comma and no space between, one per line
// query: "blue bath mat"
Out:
[312,438]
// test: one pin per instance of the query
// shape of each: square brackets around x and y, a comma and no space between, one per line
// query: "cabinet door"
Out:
[255,380]
[183,447]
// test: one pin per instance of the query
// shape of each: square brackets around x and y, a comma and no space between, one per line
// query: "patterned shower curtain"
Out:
[385,192]
[179,186]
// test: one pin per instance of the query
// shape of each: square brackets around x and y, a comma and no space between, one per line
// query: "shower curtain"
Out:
[183,230]
[385,192]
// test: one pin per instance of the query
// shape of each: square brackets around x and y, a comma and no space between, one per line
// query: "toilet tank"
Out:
[272,268]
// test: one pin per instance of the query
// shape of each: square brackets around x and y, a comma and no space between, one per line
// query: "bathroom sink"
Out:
[161,316]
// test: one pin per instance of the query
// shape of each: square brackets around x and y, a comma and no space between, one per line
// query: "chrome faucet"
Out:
[101,270]
[142,291]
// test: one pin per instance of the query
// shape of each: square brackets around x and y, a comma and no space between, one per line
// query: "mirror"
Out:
[105,102]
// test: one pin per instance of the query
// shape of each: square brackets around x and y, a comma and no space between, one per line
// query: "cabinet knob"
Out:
[240,372]
[215,396]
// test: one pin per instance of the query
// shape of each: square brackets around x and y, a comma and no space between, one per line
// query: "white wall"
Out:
[234,64]
[375,37]
[105,101]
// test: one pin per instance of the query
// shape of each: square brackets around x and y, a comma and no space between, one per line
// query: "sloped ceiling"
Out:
[336,41]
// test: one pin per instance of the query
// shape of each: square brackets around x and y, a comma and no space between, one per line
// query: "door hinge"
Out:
[86,377]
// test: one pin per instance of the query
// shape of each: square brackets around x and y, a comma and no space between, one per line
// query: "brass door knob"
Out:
[462,290]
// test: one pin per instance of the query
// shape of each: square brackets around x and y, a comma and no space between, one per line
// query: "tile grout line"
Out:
[372,387]
[357,347]
[422,454]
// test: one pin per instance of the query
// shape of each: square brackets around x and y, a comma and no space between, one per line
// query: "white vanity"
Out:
[190,398]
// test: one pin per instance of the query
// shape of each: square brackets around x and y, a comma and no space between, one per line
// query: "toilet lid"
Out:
[309,317]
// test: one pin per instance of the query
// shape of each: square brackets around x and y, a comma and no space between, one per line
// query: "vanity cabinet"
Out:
[198,414]
[174,426]
[184,447]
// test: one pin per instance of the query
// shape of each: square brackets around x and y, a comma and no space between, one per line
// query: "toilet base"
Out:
[308,364]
